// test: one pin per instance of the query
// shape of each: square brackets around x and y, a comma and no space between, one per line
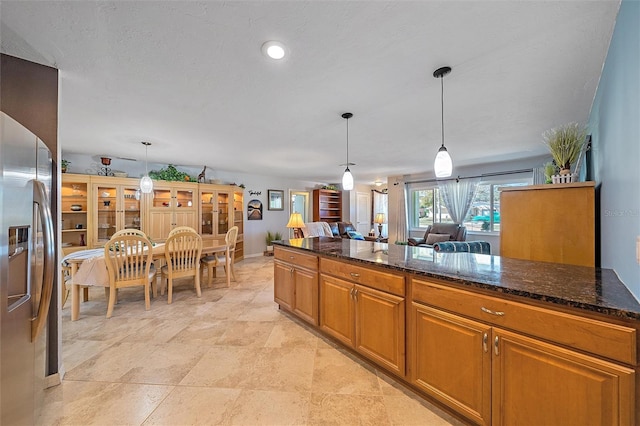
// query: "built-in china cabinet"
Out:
[95,207]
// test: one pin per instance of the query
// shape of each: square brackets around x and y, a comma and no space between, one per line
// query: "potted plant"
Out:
[270,238]
[565,144]
[64,164]
[550,169]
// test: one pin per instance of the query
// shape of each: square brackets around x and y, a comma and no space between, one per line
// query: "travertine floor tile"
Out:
[337,373]
[246,333]
[270,408]
[195,406]
[289,369]
[331,409]
[223,367]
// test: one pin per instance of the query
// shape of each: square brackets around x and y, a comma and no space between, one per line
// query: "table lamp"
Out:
[380,219]
[296,222]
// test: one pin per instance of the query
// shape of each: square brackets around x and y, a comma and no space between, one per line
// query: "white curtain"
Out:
[401,229]
[457,196]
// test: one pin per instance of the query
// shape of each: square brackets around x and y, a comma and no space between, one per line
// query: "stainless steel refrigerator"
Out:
[27,265]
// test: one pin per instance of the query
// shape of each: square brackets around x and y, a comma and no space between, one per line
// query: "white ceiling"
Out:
[190,77]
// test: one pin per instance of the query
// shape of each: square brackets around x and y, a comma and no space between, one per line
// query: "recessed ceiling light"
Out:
[274,49]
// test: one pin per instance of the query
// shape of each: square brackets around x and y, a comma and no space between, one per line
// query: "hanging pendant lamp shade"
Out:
[347,177]
[443,166]
[146,184]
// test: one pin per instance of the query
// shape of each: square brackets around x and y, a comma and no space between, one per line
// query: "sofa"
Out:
[325,229]
[440,232]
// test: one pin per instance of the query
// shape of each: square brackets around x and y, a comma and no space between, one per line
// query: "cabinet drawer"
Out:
[295,257]
[608,340]
[373,278]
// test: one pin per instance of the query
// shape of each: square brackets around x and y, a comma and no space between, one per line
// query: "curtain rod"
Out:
[509,172]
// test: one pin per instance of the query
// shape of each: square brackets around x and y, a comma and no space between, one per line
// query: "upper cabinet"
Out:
[75,200]
[220,208]
[327,205]
[171,204]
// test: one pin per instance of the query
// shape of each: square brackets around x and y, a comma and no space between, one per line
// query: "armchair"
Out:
[440,232]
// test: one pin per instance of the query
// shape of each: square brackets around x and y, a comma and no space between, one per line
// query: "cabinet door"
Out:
[223,214]
[543,384]
[207,220]
[160,223]
[380,327]
[105,208]
[283,285]
[185,218]
[337,312]
[452,361]
[306,295]
[131,208]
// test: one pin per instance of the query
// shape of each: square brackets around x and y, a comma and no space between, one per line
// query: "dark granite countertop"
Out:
[590,289]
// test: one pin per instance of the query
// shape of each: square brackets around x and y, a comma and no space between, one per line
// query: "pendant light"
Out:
[443,165]
[347,177]
[146,184]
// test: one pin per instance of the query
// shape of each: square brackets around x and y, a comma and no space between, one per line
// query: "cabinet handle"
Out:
[354,275]
[292,257]
[485,339]
[495,345]
[291,270]
[353,293]
[489,311]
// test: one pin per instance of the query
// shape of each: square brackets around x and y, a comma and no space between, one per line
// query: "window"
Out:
[426,206]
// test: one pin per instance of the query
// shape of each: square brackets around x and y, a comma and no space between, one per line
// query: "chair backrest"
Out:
[182,251]
[455,231]
[179,229]
[231,238]
[130,231]
[128,259]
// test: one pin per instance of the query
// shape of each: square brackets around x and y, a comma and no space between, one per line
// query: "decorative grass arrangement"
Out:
[565,144]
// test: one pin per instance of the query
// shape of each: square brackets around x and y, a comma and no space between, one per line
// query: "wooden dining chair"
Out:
[211,262]
[179,229]
[129,260]
[182,252]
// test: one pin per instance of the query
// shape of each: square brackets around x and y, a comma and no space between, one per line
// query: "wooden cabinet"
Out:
[219,208]
[327,205]
[171,204]
[549,223]
[542,384]
[116,205]
[75,198]
[496,376]
[296,283]
[453,361]
[359,314]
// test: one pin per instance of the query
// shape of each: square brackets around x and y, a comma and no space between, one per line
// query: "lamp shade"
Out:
[380,218]
[146,184]
[295,221]
[347,180]
[443,165]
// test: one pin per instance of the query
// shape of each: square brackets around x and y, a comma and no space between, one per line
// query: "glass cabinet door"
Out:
[131,208]
[222,206]
[207,221]
[184,198]
[161,198]
[106,207]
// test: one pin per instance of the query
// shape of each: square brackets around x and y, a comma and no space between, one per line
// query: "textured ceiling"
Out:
[190,77]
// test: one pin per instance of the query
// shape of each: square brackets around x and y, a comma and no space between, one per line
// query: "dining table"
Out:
[88,268]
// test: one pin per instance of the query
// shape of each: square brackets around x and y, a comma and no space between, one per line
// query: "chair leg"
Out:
[112,301]
[147,302]
[233,270]
[169,289]
[196,278]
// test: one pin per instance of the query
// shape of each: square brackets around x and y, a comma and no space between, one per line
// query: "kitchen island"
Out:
[496,340]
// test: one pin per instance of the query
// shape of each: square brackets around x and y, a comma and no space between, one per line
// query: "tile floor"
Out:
[230,357]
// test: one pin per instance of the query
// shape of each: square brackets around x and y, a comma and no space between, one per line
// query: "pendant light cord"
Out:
[442,106]
[347,143]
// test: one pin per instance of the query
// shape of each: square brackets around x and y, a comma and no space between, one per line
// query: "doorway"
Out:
[299,203]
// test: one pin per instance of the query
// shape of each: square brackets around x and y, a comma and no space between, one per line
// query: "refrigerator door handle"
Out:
[44,210]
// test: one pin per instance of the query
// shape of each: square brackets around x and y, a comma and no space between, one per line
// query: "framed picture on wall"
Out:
[276,199]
